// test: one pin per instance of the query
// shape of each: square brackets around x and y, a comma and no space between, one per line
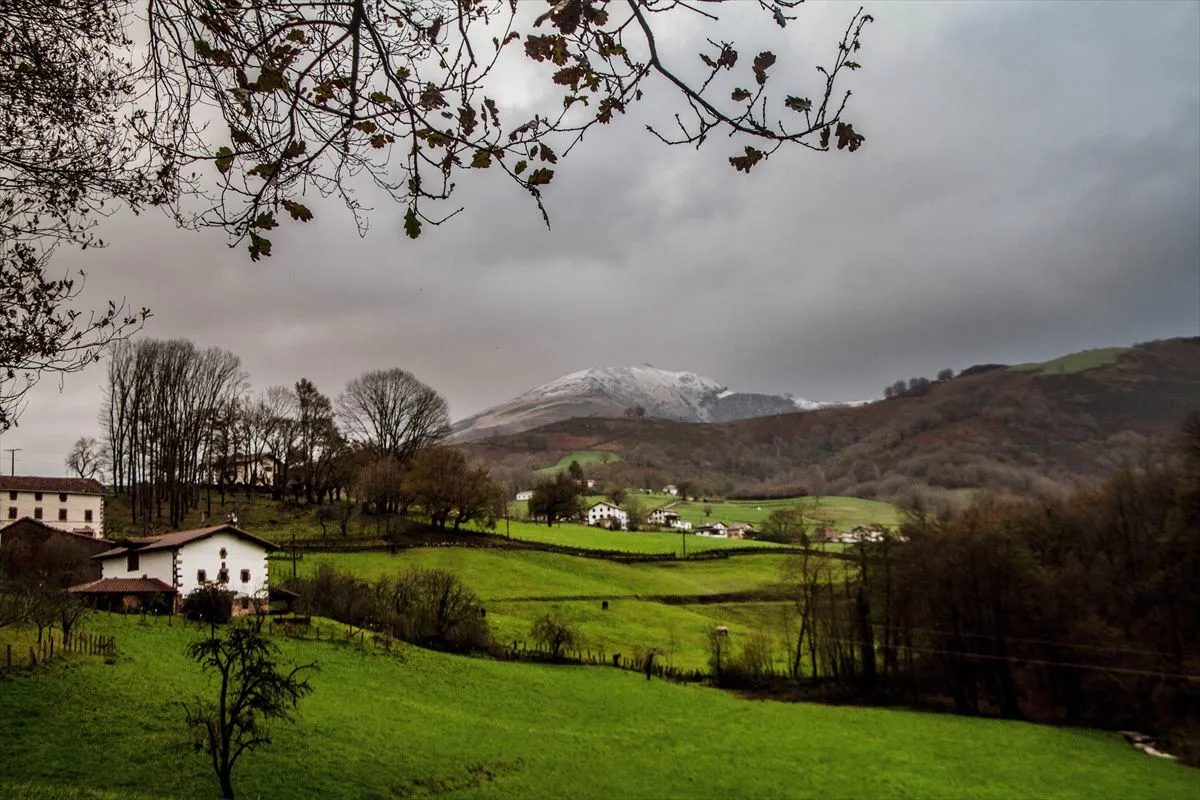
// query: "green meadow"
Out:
[1075,362]
[415,723]
[569,534]
[584,457]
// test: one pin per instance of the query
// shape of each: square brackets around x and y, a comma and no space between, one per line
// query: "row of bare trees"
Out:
[179,422]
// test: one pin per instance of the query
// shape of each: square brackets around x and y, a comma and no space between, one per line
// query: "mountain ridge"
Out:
[610,391]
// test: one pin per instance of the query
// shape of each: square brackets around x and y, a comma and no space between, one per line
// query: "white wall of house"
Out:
[681,525]
[67,511]
[525,495]
[156,564]
[602,511]
[205,554]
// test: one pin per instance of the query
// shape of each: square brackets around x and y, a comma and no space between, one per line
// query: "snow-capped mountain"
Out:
[609,391]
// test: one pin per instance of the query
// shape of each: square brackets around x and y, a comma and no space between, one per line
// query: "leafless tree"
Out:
[85,458]
[393,413]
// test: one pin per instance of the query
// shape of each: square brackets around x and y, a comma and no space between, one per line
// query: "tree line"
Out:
[179,424]
[1081,608]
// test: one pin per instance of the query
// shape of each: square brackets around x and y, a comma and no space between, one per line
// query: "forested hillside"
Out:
[1019,429]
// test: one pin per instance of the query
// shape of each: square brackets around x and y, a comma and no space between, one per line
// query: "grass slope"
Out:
[507,575]
[382,726]
[584,457]
[1075,362]
[590,538]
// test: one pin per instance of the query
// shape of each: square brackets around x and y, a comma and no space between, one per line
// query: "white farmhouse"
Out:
[670,489]
[617,516]
[75,505]
[182,562]
[681,525]
[525,494]
[663,516]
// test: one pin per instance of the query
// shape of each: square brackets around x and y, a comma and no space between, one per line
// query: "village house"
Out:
[681,525]
[670,489]
[525,494]
[609,515]
[717,529]
[259,469]
[32,550]
[663,516]
[75,505]
[168,568]
[741,530]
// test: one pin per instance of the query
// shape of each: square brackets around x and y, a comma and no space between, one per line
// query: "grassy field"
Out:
[843,513]
[589,538]
[420,723]
[1076,362]
[505,575]
[584,457]
[517,587]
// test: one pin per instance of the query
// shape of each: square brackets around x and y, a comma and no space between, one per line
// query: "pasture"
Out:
[569,534]
[510,574]
[416,723]
[1075,362]
[584,457]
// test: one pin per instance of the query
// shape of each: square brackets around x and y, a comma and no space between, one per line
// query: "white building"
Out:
[663,516]
[75,505]
[525,494]
[671,489]
[248,470]
[681,525]
[617,516]
[224,556]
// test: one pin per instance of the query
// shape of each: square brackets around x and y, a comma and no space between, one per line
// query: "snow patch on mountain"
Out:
[609,391]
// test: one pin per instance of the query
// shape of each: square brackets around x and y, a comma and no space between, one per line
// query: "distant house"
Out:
[68,504]
[607,514]
[525,494]
[591,483]
[32,549]
[741,530]
[716,529]
[170,567]
[670,489]
[681,525]
[259,469]
[663,516]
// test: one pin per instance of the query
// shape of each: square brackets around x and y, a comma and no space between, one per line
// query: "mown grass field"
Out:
[517,587]
[1075,362]
[584,457]
[508,574]
[418,723]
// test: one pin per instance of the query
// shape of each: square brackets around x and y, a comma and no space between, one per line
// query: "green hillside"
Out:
[417,723]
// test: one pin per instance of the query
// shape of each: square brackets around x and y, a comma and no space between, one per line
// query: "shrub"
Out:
[554,633]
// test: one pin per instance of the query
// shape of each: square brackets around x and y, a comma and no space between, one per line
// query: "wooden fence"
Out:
[44,651]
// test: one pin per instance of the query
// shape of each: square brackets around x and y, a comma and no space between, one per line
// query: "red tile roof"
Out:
[29,483]
[124,586]
[171,541]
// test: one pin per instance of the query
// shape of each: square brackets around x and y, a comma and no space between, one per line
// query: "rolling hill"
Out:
[1028,428]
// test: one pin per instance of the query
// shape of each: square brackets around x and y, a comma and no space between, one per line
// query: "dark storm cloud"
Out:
[1030,186]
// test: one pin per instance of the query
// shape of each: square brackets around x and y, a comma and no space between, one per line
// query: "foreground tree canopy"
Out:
[235,114]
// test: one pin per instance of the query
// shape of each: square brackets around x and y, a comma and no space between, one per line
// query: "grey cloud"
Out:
[1030,186]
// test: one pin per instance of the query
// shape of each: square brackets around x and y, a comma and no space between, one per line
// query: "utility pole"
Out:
[12,453]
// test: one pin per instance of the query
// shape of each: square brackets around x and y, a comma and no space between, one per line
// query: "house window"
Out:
[131,562]
[201,576]
[245,603]
[62,515]
[223,576]
[87,515]
[37,496]
[12,512]
[37,513]
[245,576]
[12,495]
[62,497]
[224,553]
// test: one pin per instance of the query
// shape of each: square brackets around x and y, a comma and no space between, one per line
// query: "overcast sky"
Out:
[1030,186]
